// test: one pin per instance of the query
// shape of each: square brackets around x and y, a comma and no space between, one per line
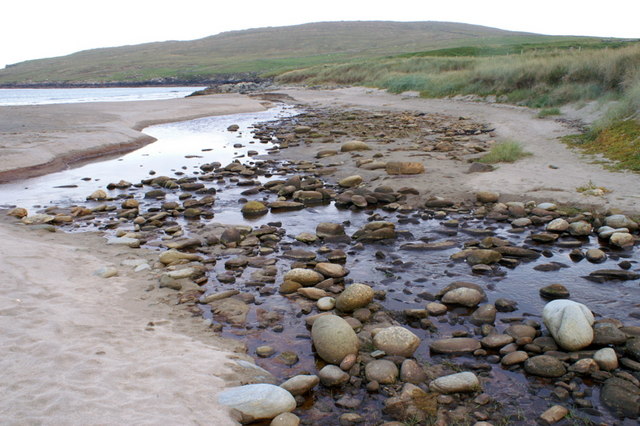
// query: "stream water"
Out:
[409,278]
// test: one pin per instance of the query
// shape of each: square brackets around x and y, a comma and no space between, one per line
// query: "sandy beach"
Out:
[82,349]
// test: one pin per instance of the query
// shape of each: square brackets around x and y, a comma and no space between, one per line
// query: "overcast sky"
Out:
[33,29]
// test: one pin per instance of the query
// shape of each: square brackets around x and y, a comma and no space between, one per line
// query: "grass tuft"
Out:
[547,112]
[505,152]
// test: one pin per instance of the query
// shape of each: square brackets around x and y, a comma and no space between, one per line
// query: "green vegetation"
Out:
[547,112]
[275,50]
[505,152]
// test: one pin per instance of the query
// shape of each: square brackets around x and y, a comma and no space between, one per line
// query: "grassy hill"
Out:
[270,50]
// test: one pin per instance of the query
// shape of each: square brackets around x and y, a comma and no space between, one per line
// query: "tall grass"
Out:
[537,79]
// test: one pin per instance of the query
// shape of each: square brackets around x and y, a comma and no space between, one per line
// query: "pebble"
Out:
[453,383]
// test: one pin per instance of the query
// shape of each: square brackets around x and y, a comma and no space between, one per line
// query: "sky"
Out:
[33,29]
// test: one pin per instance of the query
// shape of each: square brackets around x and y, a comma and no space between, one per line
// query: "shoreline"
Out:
[41,139]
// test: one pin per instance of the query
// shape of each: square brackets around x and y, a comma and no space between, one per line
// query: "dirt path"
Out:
[552,174]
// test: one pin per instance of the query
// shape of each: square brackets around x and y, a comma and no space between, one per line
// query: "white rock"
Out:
[326,303]
[547,206]
[459,382]
[570,323]
[558,225]
[259,401]
[396,340]
[181,273]
[606,359]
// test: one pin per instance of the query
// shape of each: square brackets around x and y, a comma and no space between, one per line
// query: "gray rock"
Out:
[258,401]
[483,257]
[513,358]
[285,419]
[557,225]
[412,372]
[463,296]
[333,338]
[620,221]
[544,366]
[496,340]
[453,383]
[331,375]
[580,228]
[485,314]
[455,345]
[301,384]
[382,371]
[622,397]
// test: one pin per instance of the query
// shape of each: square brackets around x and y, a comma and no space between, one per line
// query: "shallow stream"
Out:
[409,278]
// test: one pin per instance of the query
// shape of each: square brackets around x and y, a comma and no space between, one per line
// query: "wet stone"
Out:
[455,345]
[544,366]
[554,291]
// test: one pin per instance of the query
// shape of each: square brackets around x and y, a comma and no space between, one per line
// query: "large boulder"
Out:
[333,338]
[570,323]
[258,401]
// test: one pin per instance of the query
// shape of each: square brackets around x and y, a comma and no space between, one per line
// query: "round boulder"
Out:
[333,338]
[305,277]
[570,323]
[382,371]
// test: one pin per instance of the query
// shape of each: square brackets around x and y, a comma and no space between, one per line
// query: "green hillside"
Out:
[269,50]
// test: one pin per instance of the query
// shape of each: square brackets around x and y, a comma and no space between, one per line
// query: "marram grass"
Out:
[505,152]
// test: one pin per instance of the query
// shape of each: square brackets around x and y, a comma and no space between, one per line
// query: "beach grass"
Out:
[505,152]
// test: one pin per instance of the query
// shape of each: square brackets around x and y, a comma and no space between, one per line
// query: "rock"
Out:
[622,239]
[233,310]
[98,195]
[404,168]
[620,221]
[254,208]
[331,375]
[595,255]
[554,291]
[382,371]
[328,230]
[605,334]
[464,296]
[303,276]
[580,228]
[570,324]
[333,338]
[312,293]
[483,257]
[348,362]
[485,314]
[622,397]
[326,303]
[171,256]
[522,252]
[307,237]
[375,231]
[606,359]
[258,401]
[412,372]
[455,345]
[286,205]
[350,181]
[396,340]
[557,225]
[505,305]
[106,272]
[436,309]
[301,384]
[632,348]
[487,197]
[554,414]
[612,274]
[285,419]
[289,287]
[330,270]
[476,167]
[453,383]
[518,331]
[517,357]
[38,219]
[18,212]
[544,366]
[496,340]
[353,297]
[354,146]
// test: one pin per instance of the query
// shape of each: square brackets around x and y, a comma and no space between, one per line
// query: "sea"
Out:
[103,94]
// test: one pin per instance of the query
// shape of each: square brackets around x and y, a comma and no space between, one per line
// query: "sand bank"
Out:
[40,139]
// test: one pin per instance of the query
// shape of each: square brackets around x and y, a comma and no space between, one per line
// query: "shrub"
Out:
[505,152]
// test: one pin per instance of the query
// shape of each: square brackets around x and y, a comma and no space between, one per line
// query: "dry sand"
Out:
[78,349]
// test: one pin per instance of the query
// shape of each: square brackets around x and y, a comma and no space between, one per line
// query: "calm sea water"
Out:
[110,94]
